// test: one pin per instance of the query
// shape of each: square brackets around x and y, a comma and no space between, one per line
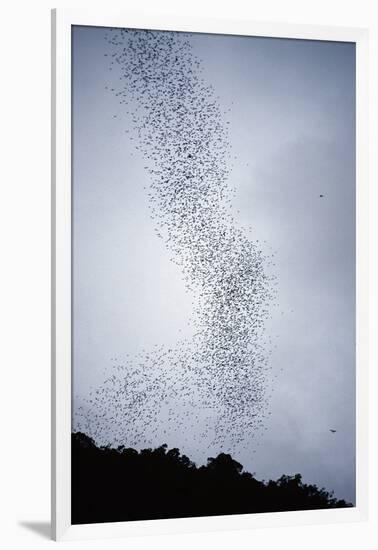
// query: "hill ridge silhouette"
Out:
[124,484]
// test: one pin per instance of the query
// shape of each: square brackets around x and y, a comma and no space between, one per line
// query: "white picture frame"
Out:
[62,20]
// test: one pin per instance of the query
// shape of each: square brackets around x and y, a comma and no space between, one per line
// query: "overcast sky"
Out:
[293,133]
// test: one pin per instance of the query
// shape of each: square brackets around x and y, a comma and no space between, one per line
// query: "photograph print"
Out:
[213,274]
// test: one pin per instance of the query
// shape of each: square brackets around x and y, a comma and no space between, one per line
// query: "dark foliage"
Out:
[124,484]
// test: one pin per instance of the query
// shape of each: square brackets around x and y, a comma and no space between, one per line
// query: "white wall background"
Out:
[25,273]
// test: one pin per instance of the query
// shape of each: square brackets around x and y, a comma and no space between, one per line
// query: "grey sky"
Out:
[293,133]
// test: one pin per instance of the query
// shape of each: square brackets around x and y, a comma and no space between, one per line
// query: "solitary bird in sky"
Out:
[333,431]
[321,196]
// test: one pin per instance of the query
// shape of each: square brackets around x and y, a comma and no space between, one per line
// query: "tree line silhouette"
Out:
[124,484]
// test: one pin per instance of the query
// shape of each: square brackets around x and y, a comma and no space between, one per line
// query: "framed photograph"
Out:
[210,301]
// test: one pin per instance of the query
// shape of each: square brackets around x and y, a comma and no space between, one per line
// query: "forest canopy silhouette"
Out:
[123,484]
